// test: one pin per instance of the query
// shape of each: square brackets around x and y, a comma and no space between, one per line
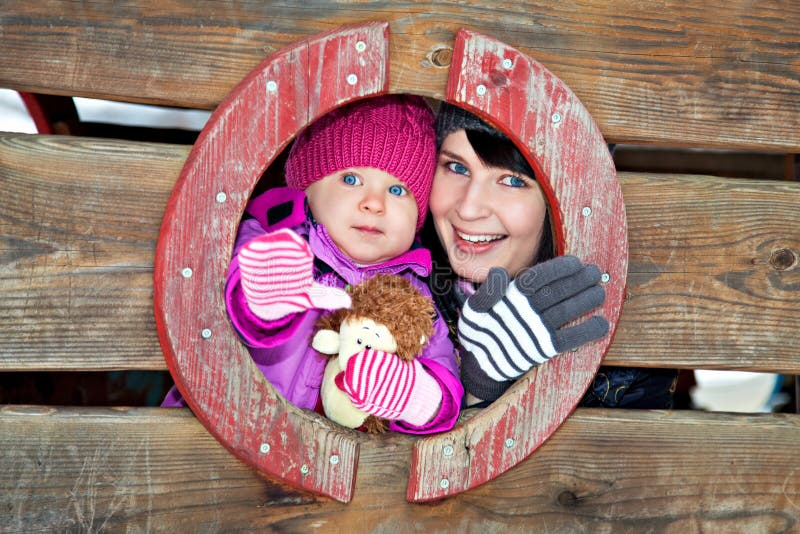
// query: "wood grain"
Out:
[79,220]
[703,73]
[158,470]
[714,280]
[713,274]
[576,172]
[215,373]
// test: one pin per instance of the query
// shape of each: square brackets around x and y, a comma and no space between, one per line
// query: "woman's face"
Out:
[485,216]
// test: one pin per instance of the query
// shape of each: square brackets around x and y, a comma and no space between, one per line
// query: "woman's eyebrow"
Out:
[451,155]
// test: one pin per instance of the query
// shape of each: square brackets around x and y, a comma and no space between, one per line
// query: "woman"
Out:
[495,279]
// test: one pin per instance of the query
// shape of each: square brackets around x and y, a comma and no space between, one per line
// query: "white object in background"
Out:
[734,391]
[14,115]
[106,111]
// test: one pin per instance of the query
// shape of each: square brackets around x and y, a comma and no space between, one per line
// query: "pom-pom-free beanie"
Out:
[393,133]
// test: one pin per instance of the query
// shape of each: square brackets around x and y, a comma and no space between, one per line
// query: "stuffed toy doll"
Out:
[387,314]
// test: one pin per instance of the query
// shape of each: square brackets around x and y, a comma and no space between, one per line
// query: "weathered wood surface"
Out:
[703,73]
[159,470]
[214,372]
[79,220]
[713,272]
[714,280]
[575,169]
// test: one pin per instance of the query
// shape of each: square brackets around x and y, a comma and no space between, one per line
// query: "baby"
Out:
[358,181]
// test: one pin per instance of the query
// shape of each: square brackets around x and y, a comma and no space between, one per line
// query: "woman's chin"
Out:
[473,263]
[472,271]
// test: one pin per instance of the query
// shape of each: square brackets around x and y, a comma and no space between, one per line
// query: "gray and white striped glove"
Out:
[509,328]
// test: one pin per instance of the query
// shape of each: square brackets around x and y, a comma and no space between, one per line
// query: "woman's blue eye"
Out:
[513,181]
[351,179]
[457,168]
[398,190]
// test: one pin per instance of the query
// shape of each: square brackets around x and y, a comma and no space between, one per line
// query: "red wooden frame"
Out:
[211,368]
[248,130]
[554,130]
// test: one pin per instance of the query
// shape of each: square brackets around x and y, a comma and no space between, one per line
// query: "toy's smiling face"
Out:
[357,334]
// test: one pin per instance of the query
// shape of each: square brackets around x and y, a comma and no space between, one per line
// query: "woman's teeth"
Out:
[479,238]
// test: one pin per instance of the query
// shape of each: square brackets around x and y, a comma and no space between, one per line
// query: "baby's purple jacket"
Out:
[282,349]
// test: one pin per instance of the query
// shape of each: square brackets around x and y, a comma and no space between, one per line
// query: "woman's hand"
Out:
[510,327]
[277,277]
[382,384]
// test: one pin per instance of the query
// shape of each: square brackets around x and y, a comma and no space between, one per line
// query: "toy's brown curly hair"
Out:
[394,302]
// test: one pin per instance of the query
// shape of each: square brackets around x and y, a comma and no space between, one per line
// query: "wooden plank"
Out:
[79,222]
[158,470]
[704,73]
[714,280]
[80,217]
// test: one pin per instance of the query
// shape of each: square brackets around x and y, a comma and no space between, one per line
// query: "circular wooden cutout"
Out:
[212,369]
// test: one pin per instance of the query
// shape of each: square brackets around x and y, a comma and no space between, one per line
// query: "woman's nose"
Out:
[473,202]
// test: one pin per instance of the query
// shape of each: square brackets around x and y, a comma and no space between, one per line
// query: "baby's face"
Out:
[370,215]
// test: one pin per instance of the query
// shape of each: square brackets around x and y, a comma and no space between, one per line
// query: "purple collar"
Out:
[417,260]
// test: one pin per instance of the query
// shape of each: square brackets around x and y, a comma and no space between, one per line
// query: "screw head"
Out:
[509,443]
[186,272]
[444,483]
[556,117]
[361,46]
[334,459]
[264,449]
[481,90]
[206,333]
[221,197]
[448,450]
[304,469]
[586,211]
[272,86]
[352,79]
[507,63]
[605,278]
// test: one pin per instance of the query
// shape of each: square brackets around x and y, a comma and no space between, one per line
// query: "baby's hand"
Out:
[382,384]
[277,271]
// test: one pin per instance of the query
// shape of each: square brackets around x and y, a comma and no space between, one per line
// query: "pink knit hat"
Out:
[393,133]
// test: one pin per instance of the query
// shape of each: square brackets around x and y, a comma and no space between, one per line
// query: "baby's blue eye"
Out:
[398,190]
[351,179]
[457,168]
[513,181]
